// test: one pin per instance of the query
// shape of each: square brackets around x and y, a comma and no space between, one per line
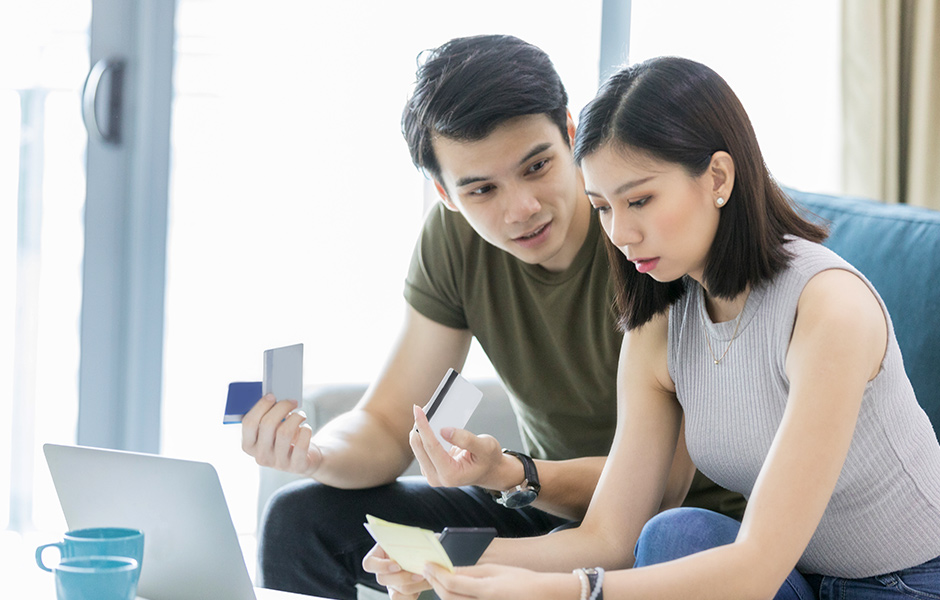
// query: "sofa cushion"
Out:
[898,248]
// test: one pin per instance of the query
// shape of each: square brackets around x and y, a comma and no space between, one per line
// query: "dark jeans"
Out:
[312,540]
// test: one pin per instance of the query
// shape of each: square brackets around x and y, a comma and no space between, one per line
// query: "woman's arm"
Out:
[633,481]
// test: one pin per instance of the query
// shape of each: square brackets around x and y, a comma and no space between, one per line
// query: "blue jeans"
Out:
[920,582]
[683,531]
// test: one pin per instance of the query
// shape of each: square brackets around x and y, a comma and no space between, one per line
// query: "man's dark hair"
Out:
[679,111]
[470,85]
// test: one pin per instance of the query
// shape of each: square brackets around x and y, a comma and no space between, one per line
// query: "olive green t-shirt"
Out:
[551,336]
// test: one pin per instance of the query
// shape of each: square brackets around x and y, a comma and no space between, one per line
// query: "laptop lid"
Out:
[191,549]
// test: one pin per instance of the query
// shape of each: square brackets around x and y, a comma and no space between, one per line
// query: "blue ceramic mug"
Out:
[96,578]
[99,541]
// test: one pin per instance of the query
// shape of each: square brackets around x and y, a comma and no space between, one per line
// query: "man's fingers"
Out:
[440,458]
[476,444]
[267,429]
[252,419]
[284,438]
[299,454]
[427,467]
[421,420]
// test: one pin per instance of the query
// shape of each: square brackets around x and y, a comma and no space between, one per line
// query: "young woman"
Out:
[779,356]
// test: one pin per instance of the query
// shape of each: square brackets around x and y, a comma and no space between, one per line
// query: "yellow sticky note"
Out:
[410,547]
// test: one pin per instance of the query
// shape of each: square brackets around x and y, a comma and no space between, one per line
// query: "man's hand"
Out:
[401,584]
[473,459]
[277,438]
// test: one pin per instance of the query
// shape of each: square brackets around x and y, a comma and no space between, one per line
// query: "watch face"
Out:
[519,498]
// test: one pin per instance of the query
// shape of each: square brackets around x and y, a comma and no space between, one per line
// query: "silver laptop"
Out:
[191,550]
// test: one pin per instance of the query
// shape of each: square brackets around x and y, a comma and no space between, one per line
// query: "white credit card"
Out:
[452,404]
[284,373]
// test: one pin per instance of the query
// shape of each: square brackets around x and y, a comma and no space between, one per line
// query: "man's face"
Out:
[519,189]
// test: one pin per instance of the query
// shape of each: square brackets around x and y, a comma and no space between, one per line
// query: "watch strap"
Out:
[528,468]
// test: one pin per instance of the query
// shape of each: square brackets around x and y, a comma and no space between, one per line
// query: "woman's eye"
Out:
[638,203]
[600,209]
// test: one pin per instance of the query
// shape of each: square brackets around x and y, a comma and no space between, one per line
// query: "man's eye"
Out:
[538,166]
[481,190]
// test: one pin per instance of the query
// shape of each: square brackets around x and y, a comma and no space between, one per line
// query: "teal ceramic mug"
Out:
[99,541]
[96,578]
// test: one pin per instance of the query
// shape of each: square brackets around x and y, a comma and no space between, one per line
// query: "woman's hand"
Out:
[401,584]
[496,582]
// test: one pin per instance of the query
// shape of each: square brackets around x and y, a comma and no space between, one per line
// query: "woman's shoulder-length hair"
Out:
[680,111]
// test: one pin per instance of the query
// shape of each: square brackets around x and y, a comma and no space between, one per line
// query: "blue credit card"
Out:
[242,395]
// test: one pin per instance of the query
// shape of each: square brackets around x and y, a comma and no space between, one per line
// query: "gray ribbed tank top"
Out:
[884,514]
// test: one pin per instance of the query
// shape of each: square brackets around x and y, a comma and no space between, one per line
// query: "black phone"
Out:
[465,545]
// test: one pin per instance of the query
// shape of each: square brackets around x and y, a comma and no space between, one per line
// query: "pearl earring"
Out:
[720,202]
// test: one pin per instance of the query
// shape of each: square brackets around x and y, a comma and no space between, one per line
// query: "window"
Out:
[294,203]
[780,57]
[42,146]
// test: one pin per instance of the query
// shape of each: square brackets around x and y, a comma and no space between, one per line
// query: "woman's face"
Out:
[660,217]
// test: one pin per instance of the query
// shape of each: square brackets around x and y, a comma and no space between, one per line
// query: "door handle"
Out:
[107,130]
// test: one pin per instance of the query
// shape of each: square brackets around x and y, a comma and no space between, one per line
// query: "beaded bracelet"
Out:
[592,583]
[585,584]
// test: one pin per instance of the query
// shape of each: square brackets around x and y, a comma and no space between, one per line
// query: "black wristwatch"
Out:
[526,492]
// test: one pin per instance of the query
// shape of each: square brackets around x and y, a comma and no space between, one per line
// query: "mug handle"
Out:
[39,550]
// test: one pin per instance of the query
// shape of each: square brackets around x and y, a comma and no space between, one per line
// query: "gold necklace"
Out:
[733,335]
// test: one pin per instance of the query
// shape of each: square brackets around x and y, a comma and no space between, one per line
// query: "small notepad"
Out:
[410,547]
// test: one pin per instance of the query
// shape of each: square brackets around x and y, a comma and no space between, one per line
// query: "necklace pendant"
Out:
[717,361]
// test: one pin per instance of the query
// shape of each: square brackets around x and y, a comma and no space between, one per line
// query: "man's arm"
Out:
[368,445]
[567,485]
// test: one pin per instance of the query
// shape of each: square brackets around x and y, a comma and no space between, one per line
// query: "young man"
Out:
[513,256]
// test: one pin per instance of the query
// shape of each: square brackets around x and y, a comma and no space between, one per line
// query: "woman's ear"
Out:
[721,171]
[444,197]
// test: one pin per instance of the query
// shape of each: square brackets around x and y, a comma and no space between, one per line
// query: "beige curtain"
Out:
[891,100]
